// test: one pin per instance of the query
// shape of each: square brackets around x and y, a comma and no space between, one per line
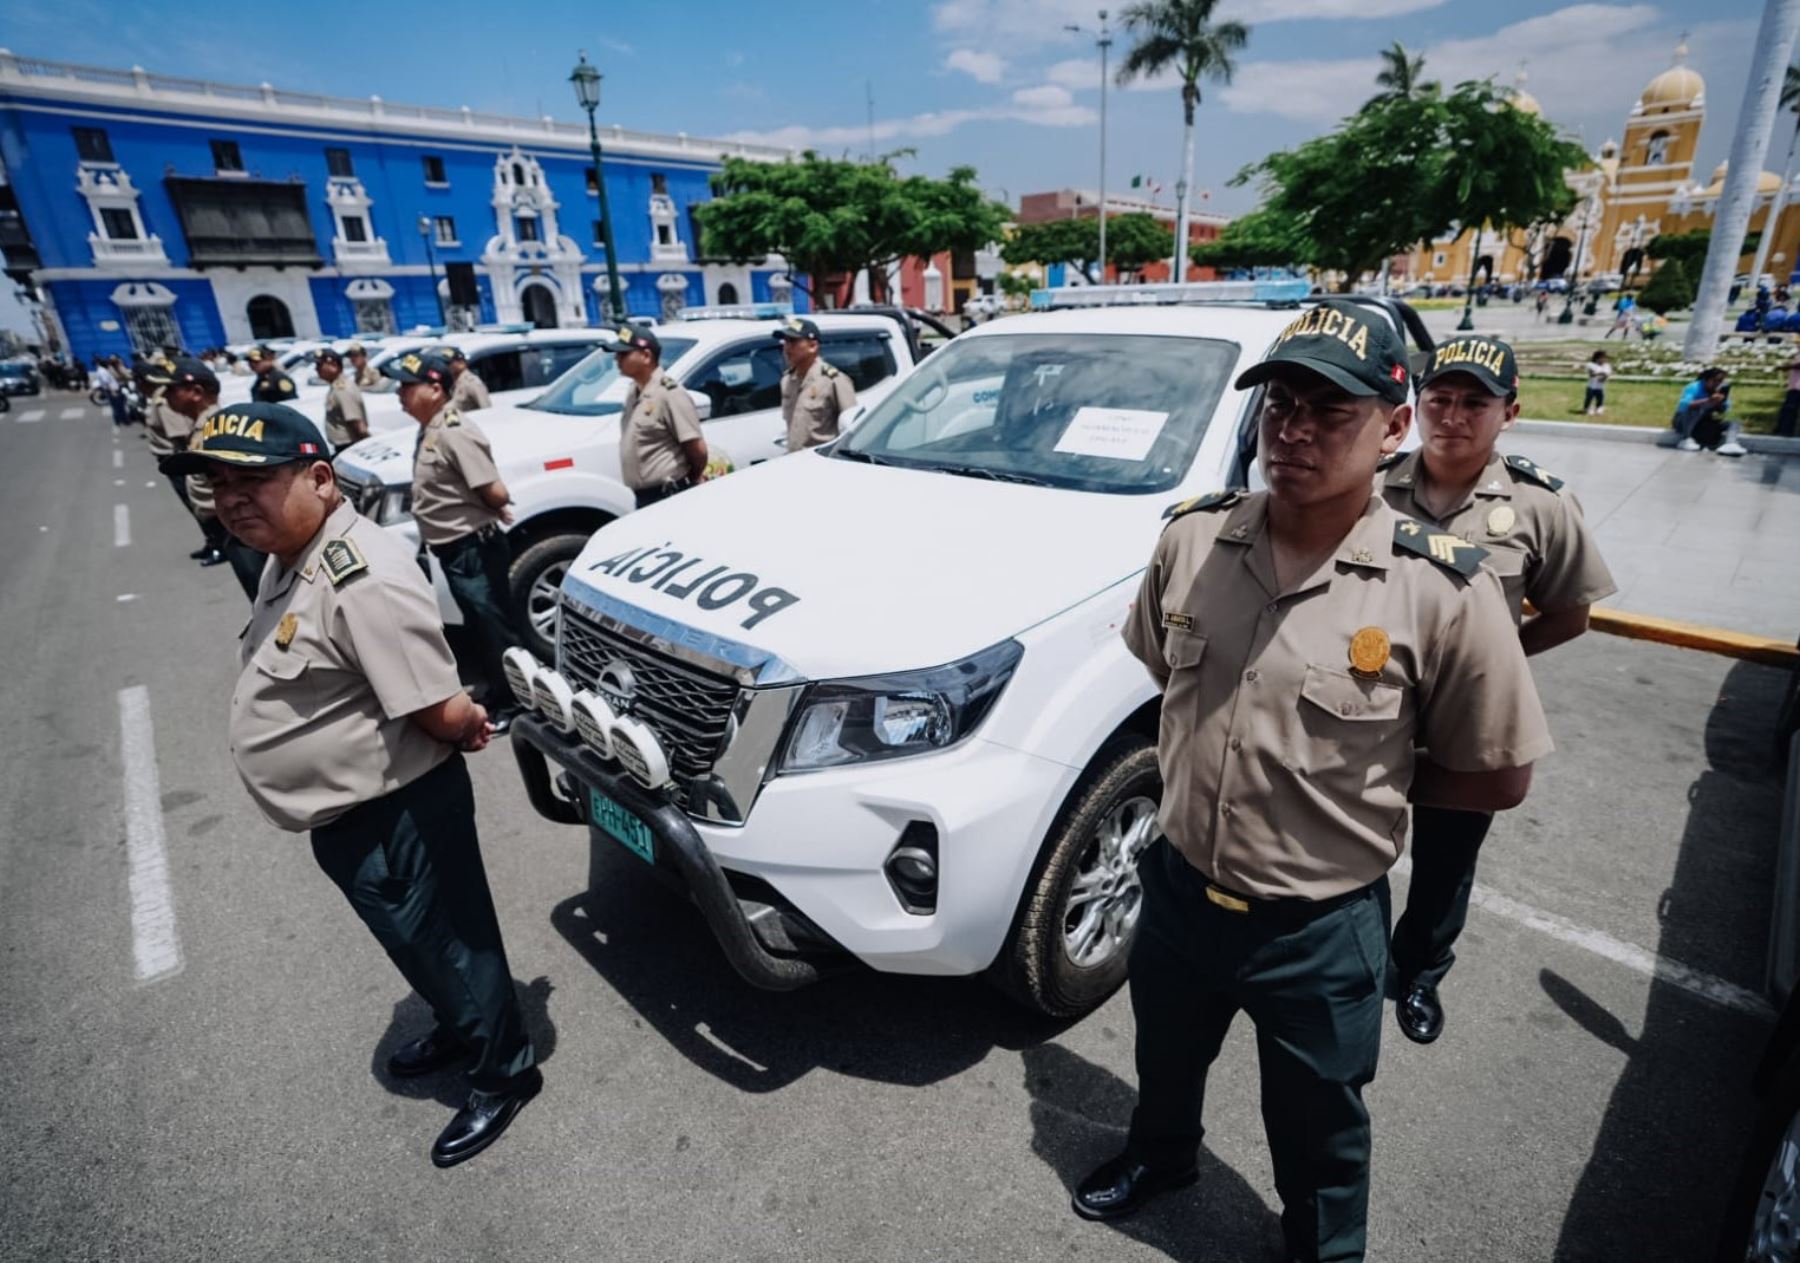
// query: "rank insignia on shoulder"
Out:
[342,559]
[1201,504]
[1447,550]
[452,417]
[829,371]
[669,383]
[284,634]
[1535,472]
[1390,460]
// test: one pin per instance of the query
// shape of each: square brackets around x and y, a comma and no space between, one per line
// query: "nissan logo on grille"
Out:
[617,685]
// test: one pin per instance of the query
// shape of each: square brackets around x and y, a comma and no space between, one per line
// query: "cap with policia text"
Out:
[258,435]
[1488,360]
[633,338]
[187,371]
[795,329]
[1347,344]
[430,367]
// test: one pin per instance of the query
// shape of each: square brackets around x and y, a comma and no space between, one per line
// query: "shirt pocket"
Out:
[1182,649]
[1346,722]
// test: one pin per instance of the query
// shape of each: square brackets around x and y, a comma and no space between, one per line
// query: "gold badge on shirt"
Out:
[1369,651]
[1500,519]
[284,632]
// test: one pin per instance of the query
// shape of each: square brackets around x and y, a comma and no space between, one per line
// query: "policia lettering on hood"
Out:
[712,587]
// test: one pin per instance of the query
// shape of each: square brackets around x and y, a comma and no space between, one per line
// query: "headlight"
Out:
[892,716]
[396,504]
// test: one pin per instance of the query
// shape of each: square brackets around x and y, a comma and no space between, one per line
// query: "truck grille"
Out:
[688,709]
[364,497]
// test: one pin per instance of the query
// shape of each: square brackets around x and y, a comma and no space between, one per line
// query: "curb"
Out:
[1669,631]
[1761,444]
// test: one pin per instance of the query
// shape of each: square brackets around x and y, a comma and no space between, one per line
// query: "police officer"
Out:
[347,720]
[367,375]
[460,504]
[272,385]
[1310,642]
[1543,551]
[190,398]
[468,392]
[167,432]
[660,448]
[346,420]
[814,394]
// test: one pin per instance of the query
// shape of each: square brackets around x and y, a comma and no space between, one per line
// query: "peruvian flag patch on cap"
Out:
[309,449]
[1398,372]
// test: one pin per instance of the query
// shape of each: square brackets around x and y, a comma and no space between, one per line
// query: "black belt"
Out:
[487,533]
[1291,911]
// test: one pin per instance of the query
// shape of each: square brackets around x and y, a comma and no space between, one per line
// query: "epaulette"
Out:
[1211,500]
[1541,476]
[341,559]
[452,417]
[1392,459]
[669,383]
[1449,551]
[828,371]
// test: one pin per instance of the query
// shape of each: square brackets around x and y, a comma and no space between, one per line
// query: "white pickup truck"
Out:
[559,453]
[872,701]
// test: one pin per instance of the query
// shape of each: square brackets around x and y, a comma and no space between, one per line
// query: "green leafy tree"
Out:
[829,217]
[1180,35]
[1671,288]
[1075,242]
[1402,75]
[1015,284]
[1263,238]
[1135,240]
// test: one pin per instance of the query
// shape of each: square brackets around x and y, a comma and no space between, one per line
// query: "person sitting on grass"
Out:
[1700,416]
[1599,368]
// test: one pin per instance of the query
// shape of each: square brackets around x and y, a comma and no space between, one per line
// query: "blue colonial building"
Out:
[141,208]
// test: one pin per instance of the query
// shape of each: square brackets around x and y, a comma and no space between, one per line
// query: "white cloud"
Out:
[1254,11]
[923,126]
[1035,23]
[981,67]
[1080,74]
[1049,96]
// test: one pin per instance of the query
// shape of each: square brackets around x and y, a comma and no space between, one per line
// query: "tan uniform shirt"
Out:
[338,651]
[658,418]
[811,404]
[156,423]
[1285,772]
[452,459]
[368,376]
[343,405]
[470,392]
[1537,541]
[199,486]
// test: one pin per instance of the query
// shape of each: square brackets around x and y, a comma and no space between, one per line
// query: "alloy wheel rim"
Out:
[1105,896]
[540,605]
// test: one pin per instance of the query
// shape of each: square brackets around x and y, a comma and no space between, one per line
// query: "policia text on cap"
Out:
[1309,642]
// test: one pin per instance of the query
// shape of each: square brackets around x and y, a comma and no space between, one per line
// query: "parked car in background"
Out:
[20,377]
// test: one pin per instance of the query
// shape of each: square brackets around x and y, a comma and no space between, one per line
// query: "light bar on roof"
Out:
[1169,294]
[739,311]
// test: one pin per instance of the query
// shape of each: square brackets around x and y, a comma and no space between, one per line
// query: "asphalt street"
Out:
[1586,1103]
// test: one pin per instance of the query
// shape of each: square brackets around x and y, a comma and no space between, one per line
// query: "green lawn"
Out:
[1753,405]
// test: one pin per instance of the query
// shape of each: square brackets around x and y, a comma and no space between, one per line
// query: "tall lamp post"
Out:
[1104,42]
[428,230]
[1568,311]
[587,91]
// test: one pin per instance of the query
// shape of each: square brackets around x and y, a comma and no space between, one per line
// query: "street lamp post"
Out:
[587,91]
[1568,312]
[1104,42]
[427,230]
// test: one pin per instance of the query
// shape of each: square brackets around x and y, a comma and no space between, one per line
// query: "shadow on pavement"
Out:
[1659,1173]
[1077,1122]
[654,949]
[412,1018]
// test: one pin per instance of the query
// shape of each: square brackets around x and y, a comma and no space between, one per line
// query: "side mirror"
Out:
[702,403]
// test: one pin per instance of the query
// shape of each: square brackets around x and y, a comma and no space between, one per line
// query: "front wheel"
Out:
[1069,948]
[537,575]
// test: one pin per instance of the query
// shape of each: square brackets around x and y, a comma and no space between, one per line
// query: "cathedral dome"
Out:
[1676,86]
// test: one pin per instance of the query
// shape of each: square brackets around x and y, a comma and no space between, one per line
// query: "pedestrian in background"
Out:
[348,722]
[193,395]
[1599,368]
[814,395]
[661,451]
[272,385]
[346,420]
[468,393]
[1785,424]
[367,376]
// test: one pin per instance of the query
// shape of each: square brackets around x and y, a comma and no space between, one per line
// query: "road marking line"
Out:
[118,482]
[155,945]
[1638,960]
[118,459]
[126,596]
[121,526]
[26,418]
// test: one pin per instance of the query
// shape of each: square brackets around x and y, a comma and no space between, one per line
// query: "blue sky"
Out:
[996,84]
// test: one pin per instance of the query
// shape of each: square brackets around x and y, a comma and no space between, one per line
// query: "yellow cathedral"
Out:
[1632,191]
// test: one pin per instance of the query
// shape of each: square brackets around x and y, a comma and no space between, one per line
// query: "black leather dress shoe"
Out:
[213,557]
[422,1056]
[202,551]
[1121,1187]
[1420,1015]
[479,1123]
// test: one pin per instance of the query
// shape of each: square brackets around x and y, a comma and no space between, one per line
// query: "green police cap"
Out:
[1348,344]
[431,367]
[257,435]
[796,329]
[630,337]
[1488,360]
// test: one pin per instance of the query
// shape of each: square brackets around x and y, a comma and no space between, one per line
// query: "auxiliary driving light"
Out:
[594,720]
[635,746]
[520,666]
[553,697]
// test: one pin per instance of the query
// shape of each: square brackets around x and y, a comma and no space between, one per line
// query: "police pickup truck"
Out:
[559,453]
[871,700]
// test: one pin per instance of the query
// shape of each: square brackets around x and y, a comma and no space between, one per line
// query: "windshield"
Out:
[590,388]
[1092,412]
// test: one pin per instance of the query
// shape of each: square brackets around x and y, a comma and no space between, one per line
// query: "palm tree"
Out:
[1181,35]
[1790,100]
[1402,75]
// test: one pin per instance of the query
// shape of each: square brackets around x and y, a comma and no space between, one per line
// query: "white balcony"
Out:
[361,254]
[134,253]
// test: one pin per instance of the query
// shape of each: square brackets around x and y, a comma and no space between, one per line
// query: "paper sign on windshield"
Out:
[1115,433]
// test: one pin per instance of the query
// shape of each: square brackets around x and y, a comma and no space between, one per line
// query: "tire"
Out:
[1071,941]
[536,574]
[1764,1223]
[97,397]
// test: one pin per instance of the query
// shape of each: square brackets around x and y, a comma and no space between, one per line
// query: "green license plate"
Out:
[627,828]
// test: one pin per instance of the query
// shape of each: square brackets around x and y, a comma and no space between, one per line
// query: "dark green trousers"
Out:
[1445,844]
[410,864]
[475,567]
[1310,979]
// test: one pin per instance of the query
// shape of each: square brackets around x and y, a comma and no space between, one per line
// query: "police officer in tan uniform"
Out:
[167,432]
[190,398]
[346,420]
[468,393]
[460,504]
[367,376]
[814,394]
[1324,662]
[1543,551]
[272,385]
[661,451]
[347,721]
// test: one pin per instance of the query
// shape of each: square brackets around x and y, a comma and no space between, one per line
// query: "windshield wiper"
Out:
[868,458]
[994,475]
